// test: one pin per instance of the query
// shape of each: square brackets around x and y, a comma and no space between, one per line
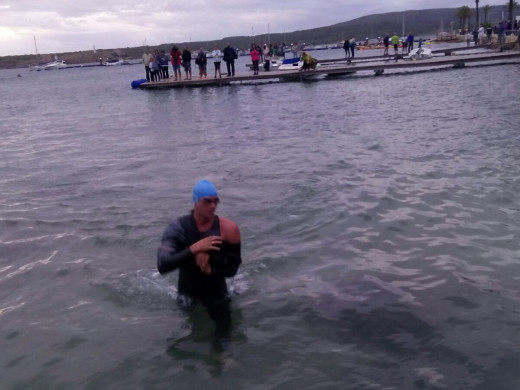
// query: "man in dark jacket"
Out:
[186,63]
[163,64]
[346,47]
[230,55]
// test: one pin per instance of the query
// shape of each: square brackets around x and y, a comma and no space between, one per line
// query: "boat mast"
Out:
[35,47]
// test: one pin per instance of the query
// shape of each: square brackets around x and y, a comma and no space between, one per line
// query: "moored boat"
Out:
[421,53]
[56,64]
[116,62]
[291,64]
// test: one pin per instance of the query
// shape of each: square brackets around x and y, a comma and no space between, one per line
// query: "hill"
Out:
[423,23]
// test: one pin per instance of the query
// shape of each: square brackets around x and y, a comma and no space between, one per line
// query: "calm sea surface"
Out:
[380,219]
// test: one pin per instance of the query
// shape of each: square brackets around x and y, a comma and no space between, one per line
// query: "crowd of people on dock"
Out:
[157,63]
[350,47]
[488,34]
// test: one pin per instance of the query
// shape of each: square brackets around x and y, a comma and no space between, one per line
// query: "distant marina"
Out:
[60,65]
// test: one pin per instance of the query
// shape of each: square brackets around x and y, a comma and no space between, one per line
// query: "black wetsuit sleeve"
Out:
[230,260]
[172,253]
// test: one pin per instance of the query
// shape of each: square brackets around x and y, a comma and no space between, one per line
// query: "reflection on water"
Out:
[207,343]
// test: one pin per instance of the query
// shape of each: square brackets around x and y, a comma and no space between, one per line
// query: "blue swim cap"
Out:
[202,189]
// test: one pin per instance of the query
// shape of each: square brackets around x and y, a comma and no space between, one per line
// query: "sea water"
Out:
[380,223]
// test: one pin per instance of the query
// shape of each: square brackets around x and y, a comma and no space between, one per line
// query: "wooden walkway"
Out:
[446,52]
[377,64]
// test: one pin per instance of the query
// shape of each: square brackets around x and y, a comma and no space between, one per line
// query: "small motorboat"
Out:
[56,64]
[295,64]
[421,53]
[116,62]
[291,64]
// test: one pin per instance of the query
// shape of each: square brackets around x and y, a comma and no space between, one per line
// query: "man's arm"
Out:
[170,254]
[229,261]
[230,252]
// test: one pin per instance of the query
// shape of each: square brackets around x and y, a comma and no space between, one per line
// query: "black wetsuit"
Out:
[194,285]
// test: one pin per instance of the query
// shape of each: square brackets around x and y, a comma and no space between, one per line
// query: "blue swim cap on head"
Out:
[202,189]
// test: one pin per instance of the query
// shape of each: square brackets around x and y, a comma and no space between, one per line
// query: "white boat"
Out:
[56,64]
[291,64]
[294,64]
[117,62]
[421,53]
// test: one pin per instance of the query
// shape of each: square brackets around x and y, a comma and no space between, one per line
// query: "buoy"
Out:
[136,83]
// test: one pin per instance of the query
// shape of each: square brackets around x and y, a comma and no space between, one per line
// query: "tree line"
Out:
[464,13]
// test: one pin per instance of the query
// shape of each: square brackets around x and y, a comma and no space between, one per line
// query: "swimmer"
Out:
[205,248]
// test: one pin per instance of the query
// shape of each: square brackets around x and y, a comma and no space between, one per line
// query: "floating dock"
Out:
[338,67]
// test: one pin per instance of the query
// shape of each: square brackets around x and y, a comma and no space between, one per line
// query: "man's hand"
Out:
[202,260]
[204,245]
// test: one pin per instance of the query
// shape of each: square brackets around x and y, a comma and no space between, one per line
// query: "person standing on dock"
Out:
[352,48]
[267,57]
[202,62]
[475,37]
[404,43]
[176,62]
[395,42]
[386,42]
[410,40]
[186,63]
[155,69]
[217,58]
[230,55]
[255,57]
[163,64]
[147,57]
[501,33]
[346,47]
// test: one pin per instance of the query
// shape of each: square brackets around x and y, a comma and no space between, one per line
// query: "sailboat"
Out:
[56,64]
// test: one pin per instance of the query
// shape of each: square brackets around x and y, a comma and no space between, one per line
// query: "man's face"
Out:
[207,206]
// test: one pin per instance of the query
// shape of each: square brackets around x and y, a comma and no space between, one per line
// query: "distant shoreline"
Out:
[422,23]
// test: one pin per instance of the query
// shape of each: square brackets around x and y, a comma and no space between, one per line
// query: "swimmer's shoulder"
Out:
[229,230]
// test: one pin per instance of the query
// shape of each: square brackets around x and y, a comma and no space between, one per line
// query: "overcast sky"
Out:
[76,25]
